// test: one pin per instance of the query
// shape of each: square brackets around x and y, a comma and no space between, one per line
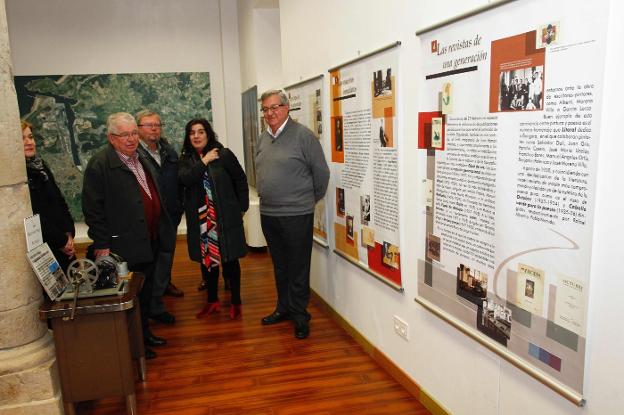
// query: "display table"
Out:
[251,221]
[95,351]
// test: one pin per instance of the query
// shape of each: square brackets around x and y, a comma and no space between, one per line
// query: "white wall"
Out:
[120,36]
[230,59]
[261,56]
[247,45]
[456,371]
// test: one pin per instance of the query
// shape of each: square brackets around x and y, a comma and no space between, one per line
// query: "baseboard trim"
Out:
[384,361]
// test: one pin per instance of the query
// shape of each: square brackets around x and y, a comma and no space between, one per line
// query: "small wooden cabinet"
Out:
[96,350]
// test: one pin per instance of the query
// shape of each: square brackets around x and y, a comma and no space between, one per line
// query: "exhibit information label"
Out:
[32,228]
[48,270]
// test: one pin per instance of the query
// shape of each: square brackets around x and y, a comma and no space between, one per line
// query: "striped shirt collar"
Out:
[128,159]
[132,162]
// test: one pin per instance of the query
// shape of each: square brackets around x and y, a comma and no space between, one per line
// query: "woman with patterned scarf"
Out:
[57,224]
[216,197]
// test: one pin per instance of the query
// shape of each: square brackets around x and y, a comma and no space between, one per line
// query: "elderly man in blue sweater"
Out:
[291,176]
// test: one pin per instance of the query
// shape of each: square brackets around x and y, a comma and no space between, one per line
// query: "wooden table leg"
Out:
[131,404]
[142,369]
[135,333]
[69,408]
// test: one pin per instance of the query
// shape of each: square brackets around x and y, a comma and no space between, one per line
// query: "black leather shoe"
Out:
[173,291]
[153,341]
[149,353]
[164,317]
[302,330]
[275,317]
[202,286]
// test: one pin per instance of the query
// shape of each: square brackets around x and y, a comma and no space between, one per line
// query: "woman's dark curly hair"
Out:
[187,147]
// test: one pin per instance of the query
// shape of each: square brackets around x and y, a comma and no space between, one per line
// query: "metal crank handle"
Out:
[73,311]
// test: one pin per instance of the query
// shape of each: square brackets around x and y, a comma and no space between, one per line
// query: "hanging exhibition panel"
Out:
[365,153]
[510,104]
[249,100]
[306,107]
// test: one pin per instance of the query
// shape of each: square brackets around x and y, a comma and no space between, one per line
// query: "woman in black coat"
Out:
[57,225]
[216,197]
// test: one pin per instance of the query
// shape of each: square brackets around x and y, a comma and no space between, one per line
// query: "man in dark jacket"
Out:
[121,203]
[164,160]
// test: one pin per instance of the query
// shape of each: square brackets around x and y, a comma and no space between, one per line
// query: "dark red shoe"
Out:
[236,311]
[209,308]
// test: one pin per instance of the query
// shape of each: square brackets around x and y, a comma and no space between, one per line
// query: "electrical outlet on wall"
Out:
[401,328]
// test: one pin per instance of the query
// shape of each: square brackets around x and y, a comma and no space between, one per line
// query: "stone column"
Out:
[29,382]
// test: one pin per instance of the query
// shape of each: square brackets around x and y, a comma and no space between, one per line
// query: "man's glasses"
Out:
[125,136]
[273,107]
[152,125]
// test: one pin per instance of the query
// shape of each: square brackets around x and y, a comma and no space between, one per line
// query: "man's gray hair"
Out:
[117,119]
[282,95]
[145,113]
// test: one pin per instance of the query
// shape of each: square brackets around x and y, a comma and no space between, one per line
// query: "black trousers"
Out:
[231,271]
[145,295]
[162,273]
[290,243]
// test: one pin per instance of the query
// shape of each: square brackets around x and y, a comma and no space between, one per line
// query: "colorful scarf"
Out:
[208,236]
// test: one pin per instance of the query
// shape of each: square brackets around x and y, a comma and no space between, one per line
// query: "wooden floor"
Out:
[219,366]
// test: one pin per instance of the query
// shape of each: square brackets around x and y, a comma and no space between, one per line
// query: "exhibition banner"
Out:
[509,121]
[365,170]
[306,107]
[251,132]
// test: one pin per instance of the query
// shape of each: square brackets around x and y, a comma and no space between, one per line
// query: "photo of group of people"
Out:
[521,89]
[494,320]
[382,85]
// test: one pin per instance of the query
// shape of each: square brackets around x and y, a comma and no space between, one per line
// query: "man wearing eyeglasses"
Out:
[164,160]
[123,209]
[291,176]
